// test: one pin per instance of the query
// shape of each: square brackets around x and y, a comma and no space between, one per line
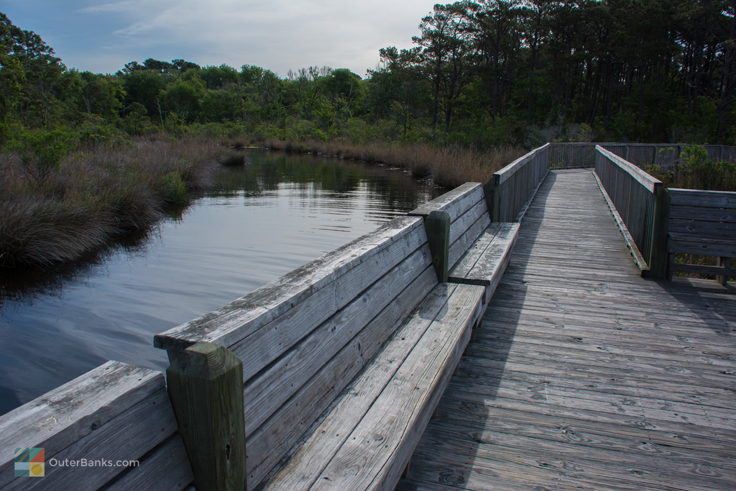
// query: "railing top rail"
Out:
[579,144]
[703,191]
[508,171]
[650,183]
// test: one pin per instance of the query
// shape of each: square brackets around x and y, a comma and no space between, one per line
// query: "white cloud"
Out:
[279,35]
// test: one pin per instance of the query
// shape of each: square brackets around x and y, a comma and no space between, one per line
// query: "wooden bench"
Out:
[346,358]
[361,342]
[479,249]
[114,412]
[324,379]
[702,223]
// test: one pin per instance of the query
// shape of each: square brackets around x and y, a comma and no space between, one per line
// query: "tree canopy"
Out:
[480,72]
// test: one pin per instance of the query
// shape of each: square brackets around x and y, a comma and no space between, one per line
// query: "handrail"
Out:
[638,202]
[511,189]
[509,170]
[649,182]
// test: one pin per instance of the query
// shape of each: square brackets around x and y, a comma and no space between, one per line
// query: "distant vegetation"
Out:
[87,157]
[696,171]
[481,73]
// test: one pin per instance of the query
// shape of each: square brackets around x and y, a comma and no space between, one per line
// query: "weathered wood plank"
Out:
[246,315]
[710,199]
[635,172]
[724,231]
[269,443]
[680,243]
[486,261]
[506,172]
[306,465]
[471,234]
[703,214]
[269,390]
[85,418]
[169,457]
[264,343]
[636,254]
[455,202]
[386,436]
[584,375]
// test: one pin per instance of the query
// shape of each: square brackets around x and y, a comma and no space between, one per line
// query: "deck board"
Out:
[584,375]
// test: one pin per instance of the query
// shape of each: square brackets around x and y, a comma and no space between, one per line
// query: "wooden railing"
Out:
[639,204]
[512,188]
[702,223]
[665,155]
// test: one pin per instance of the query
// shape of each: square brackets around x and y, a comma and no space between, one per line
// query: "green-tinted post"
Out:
[437,224]
[658,257]
[496,215]
[205,384]
[488,192]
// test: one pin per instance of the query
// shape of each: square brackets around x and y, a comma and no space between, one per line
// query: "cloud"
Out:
[279,35]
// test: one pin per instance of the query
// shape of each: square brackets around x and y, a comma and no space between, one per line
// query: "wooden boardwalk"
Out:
[583,374]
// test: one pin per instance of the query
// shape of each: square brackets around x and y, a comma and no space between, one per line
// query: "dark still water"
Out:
[262,221]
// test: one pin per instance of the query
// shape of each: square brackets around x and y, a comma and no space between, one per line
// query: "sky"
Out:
[102,36]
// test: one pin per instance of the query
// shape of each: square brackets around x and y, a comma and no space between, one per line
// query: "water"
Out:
[260,222]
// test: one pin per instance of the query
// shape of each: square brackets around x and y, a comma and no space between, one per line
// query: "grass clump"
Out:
[448,166]
[58,209]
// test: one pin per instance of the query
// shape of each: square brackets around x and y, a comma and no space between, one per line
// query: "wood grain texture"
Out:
[241,318]
[636,254]
[306,465]
[114,412]
[205,382]
[710,199]
[487,259]
[375,453]
[270,389]
[582,374]
[148,476]
[455,202]
[276,437]
[635,172]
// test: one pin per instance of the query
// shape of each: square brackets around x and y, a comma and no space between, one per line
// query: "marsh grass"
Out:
[95,195]
[448,166]
[102,193]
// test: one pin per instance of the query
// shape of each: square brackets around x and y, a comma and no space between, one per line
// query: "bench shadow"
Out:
[483,364]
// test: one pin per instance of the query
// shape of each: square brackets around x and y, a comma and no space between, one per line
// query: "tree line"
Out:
[479,72]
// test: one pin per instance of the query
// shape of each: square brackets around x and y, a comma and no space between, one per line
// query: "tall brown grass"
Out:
[102,193]
[95,195]
[449,166]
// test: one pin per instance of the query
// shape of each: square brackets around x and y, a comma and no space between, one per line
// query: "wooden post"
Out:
[658,256]
[724,262]
[437,224]
[205,384]
[488,192]
[495,217]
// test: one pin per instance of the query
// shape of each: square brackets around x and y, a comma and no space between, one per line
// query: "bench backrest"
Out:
[702,222]
[303,338]
[114,412]
[469,216]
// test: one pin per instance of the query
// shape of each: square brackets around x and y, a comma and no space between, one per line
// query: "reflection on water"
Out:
[260,222]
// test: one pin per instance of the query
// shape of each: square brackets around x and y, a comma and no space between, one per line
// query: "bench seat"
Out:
[367,437]
[487,258]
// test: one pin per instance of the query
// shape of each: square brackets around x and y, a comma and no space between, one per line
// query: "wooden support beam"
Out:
[205,383]
[658,262]
[496,215]
[488,192]
[437,224]
[725,263]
